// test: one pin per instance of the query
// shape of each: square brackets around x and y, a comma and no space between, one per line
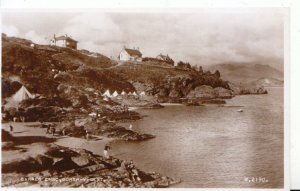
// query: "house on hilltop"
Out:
[64,41]
[130,55]
[165,58]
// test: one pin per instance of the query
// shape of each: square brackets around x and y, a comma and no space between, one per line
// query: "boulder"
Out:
[80,160]
[203,91]
[261,90]
[223,93]
[174,93]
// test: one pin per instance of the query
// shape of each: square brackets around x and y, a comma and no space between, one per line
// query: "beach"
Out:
[30,157]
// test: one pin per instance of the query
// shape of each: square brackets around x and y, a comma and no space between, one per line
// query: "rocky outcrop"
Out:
[245,89]
[223,93]
[207,92]
[71,167]
[202,92]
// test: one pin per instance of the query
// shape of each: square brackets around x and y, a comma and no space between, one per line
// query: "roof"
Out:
[164,57]
[133,52]
[64,38]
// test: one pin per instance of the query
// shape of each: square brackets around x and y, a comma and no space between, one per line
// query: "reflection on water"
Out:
[214,146]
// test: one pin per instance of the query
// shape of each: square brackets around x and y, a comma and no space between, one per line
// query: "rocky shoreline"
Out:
[60,166]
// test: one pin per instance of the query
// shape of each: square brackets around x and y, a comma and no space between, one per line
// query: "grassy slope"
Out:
[34,67]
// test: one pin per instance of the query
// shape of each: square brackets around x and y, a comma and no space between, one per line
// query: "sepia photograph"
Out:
[97,98]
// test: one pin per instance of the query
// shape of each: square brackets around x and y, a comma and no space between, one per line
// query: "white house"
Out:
[64,41]
[130,55]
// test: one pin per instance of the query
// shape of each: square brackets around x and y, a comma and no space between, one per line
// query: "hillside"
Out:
[166,81]
[42,68]
[249,73]
[64,78]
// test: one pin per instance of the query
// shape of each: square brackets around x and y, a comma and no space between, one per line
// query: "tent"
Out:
[93,114]
[142,93]
[130,93]
[22,94]
[134,93]
[123,93]
[115,94]
[106,93]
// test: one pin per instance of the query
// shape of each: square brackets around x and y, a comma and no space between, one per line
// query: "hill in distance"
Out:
[250,73]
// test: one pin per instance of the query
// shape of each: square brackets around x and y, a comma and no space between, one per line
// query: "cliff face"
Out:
[167,81]
[208,92]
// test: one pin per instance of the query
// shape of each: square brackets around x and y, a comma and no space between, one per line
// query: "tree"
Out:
[200,69]
[195,68]
[217,73]
[183,65]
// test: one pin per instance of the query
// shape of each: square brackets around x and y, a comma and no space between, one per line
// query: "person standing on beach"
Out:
[63,132]
[11,128]
[48,129]
[87,134]
[106,148]
[53,131]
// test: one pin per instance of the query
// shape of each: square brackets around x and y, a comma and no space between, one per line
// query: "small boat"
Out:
[240,110]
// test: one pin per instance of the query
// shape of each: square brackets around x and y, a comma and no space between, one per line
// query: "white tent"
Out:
[93,114]
[106,93]
[130,93]
[123,93]
[134,93]
[115,94]
[22,94]
[142,93]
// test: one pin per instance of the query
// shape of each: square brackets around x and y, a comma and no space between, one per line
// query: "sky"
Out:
[200,36]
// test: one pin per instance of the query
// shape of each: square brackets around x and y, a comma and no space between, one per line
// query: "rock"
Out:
[51,114]
[174,93]
[213,101]
[261,90]
[244,89]
[163,92]
[202,92]
[44,161]
[223,93]
[193,104]
[65,164]
[80,160]
[163,183]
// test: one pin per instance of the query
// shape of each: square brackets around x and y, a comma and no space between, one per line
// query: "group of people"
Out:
[129,167]
[131,170]
[52,130]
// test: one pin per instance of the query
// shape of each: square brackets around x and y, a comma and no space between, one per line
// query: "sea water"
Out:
[214,145]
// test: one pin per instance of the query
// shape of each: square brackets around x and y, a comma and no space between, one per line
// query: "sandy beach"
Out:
[31,130]
[31,157]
